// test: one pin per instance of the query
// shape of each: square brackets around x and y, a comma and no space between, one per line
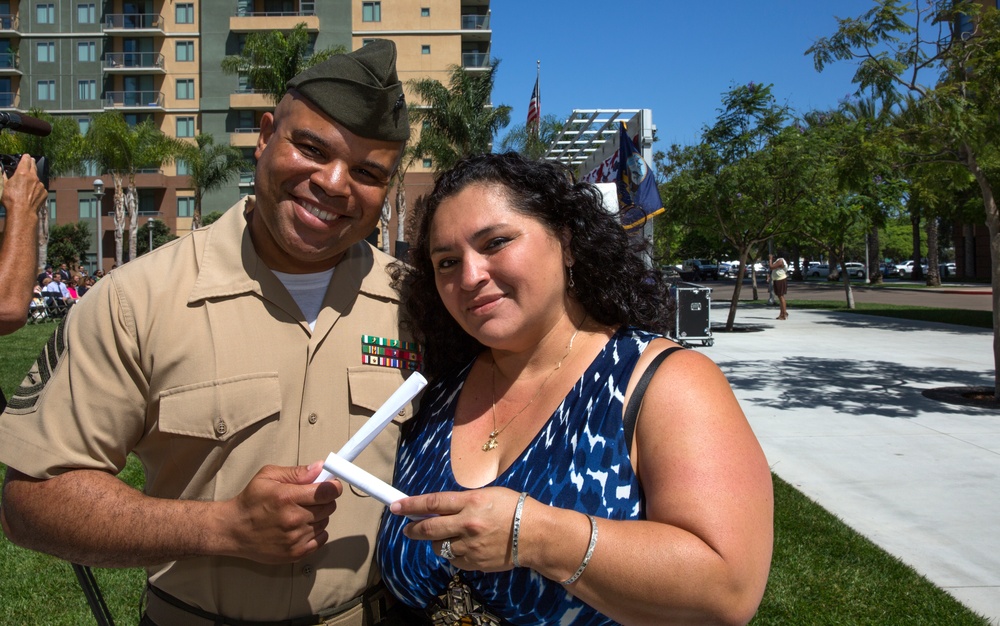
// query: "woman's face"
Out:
[501,274]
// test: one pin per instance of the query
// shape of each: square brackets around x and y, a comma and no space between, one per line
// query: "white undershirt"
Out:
[307,290]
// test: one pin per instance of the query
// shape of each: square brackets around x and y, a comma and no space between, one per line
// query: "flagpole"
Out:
[538,84]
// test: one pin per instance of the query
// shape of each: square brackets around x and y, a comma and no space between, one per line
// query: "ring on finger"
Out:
[446,549]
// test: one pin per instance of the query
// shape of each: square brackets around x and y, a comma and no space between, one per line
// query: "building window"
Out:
[45,13]
[183,168]
[185,127]
[89,168]
[185,89]
[426,49]
[84,124]
[428,163]
[425,11]
[46,90]
[85,13]
[46,52]
[371,11]
[87,89]
[185,51]
[86,51]
[185,207]
[185,13]
[365,42]
[88,208]
[52,207]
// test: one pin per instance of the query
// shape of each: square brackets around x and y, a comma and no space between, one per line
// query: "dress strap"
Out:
[635,401]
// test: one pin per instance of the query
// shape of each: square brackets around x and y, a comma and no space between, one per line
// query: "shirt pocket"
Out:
[369,388]
[220,409]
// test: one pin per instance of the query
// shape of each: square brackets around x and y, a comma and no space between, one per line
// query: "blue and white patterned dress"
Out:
[579,460]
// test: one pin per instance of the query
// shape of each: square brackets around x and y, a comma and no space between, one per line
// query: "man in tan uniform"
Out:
[231,361]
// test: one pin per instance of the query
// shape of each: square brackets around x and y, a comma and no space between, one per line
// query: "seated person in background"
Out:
[537,317]
[54,289]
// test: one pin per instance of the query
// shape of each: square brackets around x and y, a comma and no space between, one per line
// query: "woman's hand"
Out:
[478,524]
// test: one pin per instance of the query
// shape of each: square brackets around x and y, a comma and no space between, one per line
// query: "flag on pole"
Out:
[534,109]
[638,196]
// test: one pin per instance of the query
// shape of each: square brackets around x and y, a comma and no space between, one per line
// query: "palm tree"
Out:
[121,151]
[459,120]
[270,59]
[211,166]
[525,140]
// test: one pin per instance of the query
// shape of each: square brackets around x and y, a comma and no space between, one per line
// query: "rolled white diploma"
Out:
[372,485]
[377,422]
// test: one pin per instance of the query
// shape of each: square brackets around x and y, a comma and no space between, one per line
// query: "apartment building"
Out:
[160,60]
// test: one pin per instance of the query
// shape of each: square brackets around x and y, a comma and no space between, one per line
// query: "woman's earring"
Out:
[571,283]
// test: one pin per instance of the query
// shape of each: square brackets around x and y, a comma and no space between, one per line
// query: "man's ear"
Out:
[266,130]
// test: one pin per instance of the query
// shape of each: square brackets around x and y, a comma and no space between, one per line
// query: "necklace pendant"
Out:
[492,442]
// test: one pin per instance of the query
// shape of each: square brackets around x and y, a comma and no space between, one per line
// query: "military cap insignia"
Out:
[384,352]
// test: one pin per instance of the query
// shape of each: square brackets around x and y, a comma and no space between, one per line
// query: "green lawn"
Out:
[822,572]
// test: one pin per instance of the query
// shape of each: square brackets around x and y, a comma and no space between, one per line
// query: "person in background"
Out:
[535,503]
[779,283]
[230,378]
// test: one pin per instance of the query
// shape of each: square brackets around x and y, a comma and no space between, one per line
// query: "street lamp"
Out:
[149,227]
[99,195]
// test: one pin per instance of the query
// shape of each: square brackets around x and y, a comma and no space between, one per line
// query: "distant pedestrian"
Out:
[779,282]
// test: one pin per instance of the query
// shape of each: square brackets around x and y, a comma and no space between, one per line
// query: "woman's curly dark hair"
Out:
[612,280]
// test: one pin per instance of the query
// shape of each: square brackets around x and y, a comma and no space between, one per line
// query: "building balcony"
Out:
[476,22]
[476,60]
[244,137]
[249,22]
[9,64]
[133,100]
[246,179]
[132,62]
[250,99]
[9,99]
[132,23]
[9,23]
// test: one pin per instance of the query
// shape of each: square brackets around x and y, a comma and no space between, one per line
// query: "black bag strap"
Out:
[635,401]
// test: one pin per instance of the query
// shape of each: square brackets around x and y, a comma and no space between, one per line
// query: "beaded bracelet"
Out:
[517,528]
[586,557]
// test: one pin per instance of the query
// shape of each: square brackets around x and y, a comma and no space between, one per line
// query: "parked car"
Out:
[906,269]
[946,269]
[728,269]
[888,270]
[855,270]
[699,269]
[818,270]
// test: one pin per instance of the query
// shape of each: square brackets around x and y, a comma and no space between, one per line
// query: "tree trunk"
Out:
[43,236]
[400,211]
[132,202]
[993,225]
[875,257]
[933,277]
[196,214]
[969,267]
[743,256]
[918,270]
[119,218]
[384,219]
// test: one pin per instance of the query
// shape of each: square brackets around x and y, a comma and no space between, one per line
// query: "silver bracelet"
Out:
[586,557]
[517,528]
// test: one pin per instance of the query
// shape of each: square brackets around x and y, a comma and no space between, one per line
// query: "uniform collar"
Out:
[230,266]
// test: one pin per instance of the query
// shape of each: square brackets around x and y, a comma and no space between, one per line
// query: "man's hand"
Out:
[23,196]
[281,516]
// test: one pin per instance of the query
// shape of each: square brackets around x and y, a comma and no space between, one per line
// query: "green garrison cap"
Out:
[359,90]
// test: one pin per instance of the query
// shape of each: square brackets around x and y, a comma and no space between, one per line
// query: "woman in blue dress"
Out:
[535,310]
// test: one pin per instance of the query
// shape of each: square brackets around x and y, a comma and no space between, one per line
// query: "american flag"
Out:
[534,109]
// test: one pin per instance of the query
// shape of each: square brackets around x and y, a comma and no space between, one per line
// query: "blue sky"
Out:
[674,57]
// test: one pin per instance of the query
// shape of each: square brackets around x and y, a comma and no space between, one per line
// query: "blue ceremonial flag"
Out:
[638,197]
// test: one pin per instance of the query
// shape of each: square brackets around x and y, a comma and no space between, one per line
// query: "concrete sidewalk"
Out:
[835,399]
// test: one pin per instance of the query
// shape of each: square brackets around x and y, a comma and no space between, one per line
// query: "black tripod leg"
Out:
[93,594]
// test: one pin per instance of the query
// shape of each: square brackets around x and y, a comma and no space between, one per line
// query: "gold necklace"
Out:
[491,443]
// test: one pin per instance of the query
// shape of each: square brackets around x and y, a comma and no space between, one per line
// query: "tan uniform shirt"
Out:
[196,358]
